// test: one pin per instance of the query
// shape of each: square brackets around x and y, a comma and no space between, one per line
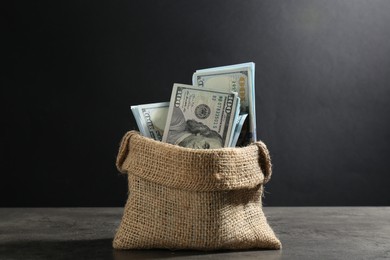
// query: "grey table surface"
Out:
[86,233]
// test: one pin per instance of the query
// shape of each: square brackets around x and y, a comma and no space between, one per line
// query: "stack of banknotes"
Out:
[217,110]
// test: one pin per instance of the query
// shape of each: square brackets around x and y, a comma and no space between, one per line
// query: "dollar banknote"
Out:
[200,118]
[151,119]
[238,131]
[238,78]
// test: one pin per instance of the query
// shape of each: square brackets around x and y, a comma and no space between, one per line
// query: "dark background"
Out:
[73,68]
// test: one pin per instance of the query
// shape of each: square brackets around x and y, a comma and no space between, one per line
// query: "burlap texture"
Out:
[181,198]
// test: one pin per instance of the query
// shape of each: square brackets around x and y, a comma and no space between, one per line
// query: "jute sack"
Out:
[182,198]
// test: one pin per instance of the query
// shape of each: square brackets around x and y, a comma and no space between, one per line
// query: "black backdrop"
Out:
[75,67]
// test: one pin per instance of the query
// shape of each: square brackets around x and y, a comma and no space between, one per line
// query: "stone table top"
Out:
[87,233]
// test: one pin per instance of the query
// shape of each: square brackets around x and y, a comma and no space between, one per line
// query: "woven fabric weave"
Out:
[181,198]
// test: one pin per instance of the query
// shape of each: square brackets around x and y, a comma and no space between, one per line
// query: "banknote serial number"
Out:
[218,110]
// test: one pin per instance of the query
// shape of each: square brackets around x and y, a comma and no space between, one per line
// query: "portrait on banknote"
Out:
[192,134]
[200,118]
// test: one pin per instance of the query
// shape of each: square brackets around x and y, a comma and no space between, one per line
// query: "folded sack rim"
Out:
[178,167]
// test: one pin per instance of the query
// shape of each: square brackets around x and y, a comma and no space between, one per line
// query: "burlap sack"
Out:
[181,198]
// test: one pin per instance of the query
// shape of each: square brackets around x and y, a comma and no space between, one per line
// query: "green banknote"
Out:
[201,118]
[151,119]
[238,78]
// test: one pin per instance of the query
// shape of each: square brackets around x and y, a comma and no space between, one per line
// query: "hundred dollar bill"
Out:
[200,118]
[237,130]
[238,78]
[151,119]
[236,119]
